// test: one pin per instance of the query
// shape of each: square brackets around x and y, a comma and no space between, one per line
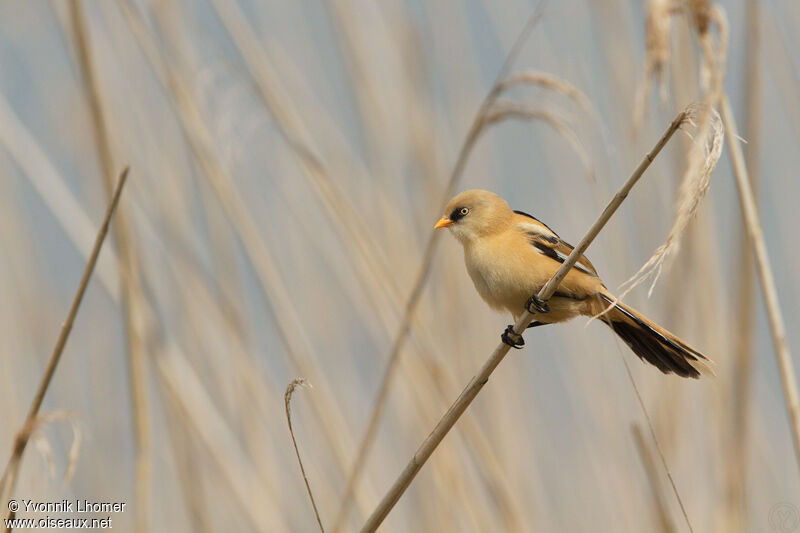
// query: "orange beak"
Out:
[443,223]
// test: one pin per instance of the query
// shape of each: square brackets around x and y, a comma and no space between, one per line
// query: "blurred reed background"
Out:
[288,161]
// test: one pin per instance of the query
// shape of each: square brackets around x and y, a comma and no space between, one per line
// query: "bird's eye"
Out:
[463,211]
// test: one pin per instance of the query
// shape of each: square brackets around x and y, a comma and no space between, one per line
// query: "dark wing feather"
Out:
[550,244]
[523,213]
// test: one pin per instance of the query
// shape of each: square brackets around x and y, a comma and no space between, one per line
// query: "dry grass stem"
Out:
[287,400]
[131,291]
[656,441]
[653,479]
[766,278]
[255,498]
[7,482]
[475,385]
[744,353]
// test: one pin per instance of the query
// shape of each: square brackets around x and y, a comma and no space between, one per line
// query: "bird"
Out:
[510,255]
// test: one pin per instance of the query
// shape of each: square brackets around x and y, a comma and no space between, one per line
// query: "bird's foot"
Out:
[536,305]
[512,338]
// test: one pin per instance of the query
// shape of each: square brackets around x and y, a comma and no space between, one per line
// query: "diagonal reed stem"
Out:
[8,480]
[765,276]
[475,385]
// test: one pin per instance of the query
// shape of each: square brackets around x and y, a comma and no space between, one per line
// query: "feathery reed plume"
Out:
[8,481]
[475,385]
[714,50]
[656,63]
[287,400]
[702,158]
[701,11]
[770,292]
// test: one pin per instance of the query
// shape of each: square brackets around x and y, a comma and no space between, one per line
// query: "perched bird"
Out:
[510,255]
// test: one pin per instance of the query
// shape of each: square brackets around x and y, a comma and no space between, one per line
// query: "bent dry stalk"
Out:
[475,385]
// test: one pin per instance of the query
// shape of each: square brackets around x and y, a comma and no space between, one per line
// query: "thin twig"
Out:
[767,280]
[287,400]
[653,479]
[8,480]
[419,283]
[472,389]
[657,443]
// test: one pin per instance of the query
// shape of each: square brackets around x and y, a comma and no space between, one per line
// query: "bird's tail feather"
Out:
[654,344]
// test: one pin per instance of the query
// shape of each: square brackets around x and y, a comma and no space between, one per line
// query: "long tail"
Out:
[654,344]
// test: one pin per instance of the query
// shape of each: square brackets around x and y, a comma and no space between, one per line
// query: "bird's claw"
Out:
[536,305]
[512,338]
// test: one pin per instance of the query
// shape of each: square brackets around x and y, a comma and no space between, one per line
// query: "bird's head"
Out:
[475,213]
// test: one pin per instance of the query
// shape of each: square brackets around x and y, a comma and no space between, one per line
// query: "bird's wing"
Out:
[548,243]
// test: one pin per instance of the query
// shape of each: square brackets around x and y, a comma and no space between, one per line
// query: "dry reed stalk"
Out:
[76,223]
[287,401]
[8,481]
[475,385]
[196,403]
[130,282]
[742,383]
[180,380]
[43,176]
[371,109]
[660,451]
[383,294]
[766,278]
[255,388]
[347,222]
[659,500]
[440,379]
[292,334]
[186,459]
